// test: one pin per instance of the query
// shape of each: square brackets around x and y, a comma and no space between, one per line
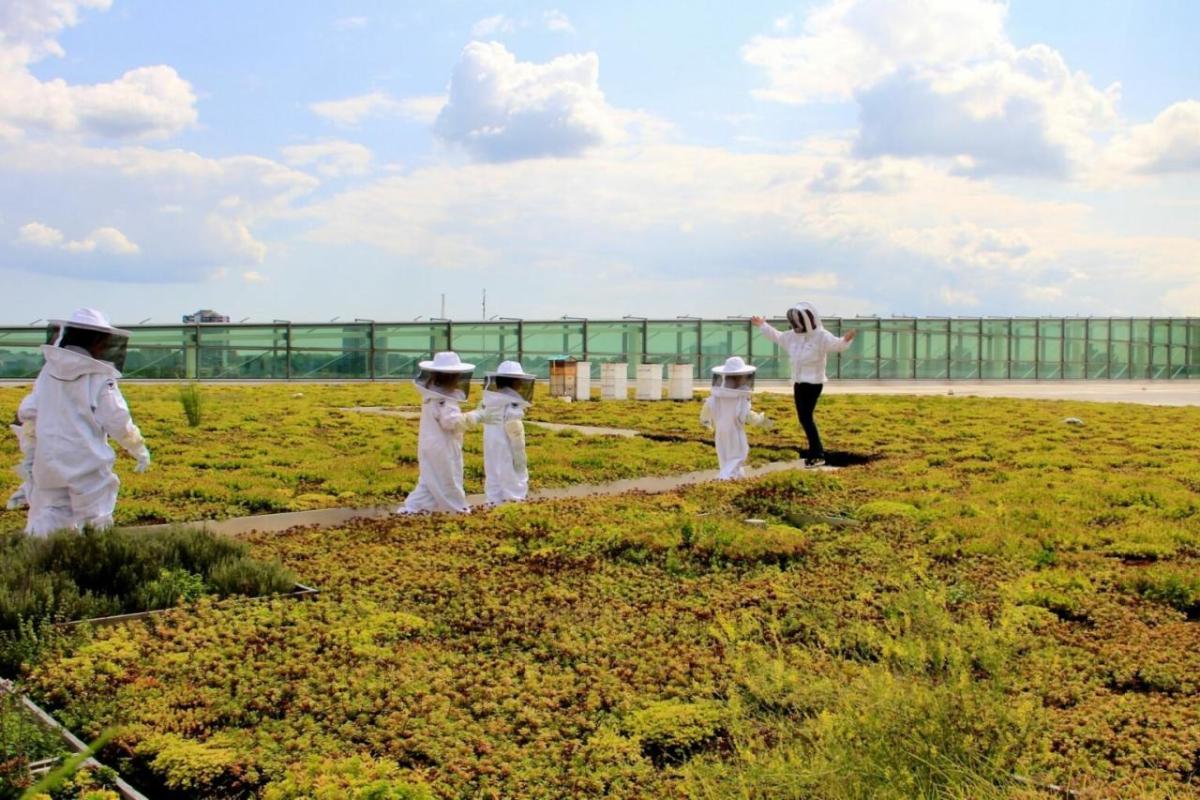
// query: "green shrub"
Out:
[171,587]
[245,575]
[93,573]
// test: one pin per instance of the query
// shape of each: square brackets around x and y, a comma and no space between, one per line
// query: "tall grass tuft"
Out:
[192,402]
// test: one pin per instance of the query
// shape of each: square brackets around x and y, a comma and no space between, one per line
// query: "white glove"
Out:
[143,461]
[760,419]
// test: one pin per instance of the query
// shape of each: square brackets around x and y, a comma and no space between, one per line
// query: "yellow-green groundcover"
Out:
[1015,606]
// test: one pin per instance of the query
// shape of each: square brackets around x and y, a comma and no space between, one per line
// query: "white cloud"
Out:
[253,277]
[941,79]
[148,102]
[969,245]
[34,25]
[333,159]
[816,281]
[351,111]
[350,23]
[501,109]
[556,20]
[179,215]
[105,240]
[851,44]
[36,234]
[491,26]
[840,175]
[1171,143]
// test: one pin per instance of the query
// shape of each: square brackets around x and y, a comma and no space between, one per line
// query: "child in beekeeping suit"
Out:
[24,434]
[76,406]
[508,392]
[727,410]
[444,383]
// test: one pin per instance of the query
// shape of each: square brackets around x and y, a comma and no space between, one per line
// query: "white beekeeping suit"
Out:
[443,383]
[727,410]
[75,407]
[507,393]
[22,428]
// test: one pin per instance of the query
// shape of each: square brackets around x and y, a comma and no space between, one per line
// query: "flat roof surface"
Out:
[1155,393]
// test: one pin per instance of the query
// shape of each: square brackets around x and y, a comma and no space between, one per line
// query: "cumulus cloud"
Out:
[351,111]
[150,102]
[941,79]
[334,159]
[1171,143]
[501,109]
[181,215]
[105,240]
[35,234]
[851,44]
[33,25]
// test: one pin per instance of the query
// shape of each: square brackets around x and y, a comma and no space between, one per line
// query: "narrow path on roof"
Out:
[411,412]
[331,517]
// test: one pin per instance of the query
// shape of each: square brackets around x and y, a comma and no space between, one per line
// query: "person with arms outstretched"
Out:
[807,345]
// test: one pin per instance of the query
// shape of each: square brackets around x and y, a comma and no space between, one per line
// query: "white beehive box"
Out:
[614,381]
[649,382]
[679,382]
[583,380]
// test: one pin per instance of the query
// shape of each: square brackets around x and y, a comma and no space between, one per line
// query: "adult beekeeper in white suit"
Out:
[727,410]
[507,392]
[444,383]
[75,407]
[24,433]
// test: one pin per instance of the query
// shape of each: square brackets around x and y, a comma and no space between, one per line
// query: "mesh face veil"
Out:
[738,383]
[100,344]
[803,319]
[454,385]
[510,384]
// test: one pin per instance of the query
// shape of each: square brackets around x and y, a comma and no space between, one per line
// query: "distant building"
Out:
[205,315]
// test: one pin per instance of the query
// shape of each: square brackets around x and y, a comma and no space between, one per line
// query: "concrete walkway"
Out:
[332,517]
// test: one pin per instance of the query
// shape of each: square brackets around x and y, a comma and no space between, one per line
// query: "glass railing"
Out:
[1018,348]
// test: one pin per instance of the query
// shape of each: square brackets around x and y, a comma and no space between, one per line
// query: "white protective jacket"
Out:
[439,456]
[506,473]
[728,411]
[807,352]
[75,406]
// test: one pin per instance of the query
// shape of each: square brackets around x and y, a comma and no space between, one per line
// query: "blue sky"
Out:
[361,159]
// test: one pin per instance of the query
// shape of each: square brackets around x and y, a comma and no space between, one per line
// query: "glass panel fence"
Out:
[889,348]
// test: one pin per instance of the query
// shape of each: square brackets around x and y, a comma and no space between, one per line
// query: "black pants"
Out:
[806,396]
